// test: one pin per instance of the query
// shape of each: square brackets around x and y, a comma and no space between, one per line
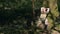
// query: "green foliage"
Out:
[13,13]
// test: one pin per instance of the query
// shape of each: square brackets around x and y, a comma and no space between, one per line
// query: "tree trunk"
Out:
[54,8]
[52,4]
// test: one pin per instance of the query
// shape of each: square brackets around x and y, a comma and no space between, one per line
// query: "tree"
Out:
[52,4]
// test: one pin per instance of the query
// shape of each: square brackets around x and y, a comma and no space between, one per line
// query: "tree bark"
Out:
[54,8]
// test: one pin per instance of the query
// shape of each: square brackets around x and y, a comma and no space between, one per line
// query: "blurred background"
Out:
[19,16]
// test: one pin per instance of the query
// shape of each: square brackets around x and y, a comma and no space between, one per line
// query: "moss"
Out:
[50,23]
